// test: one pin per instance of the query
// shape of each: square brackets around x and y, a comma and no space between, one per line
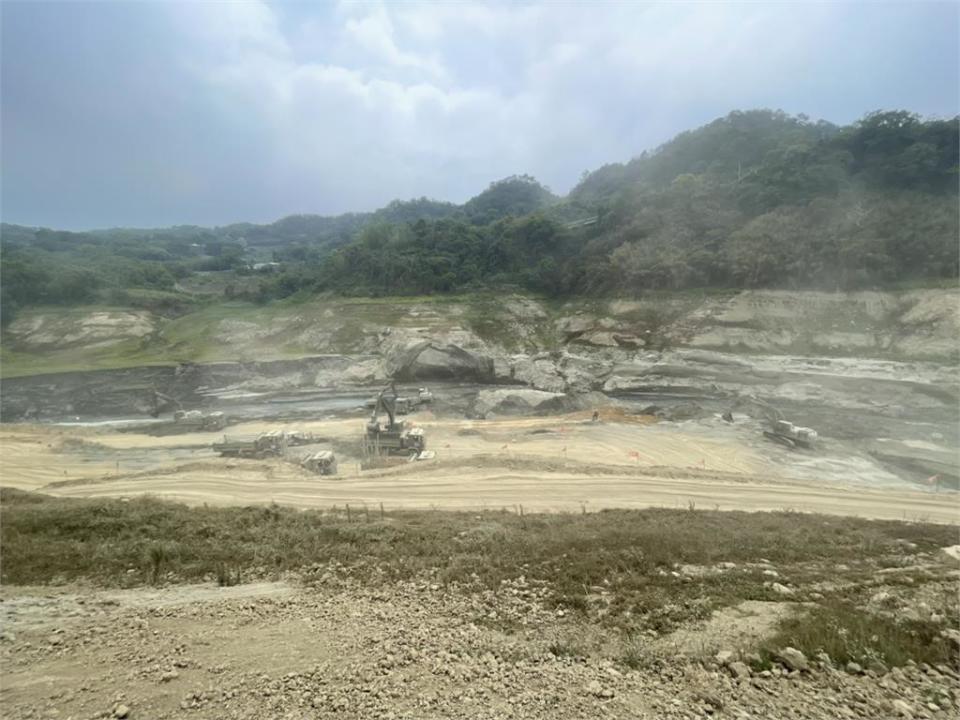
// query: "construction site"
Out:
[407,449]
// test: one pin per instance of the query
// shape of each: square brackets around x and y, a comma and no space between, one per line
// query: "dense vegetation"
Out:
[754,199]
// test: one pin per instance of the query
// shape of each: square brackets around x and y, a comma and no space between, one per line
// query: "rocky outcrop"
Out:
[435,361]
[523,401]
[517,401]
[39,331]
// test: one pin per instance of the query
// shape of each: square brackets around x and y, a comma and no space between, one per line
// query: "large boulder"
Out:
[440,361]
[540,373]
[518,401]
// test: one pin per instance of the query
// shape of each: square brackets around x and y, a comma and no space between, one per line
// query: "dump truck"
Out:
[391,437]
[322,463]
[786,433]
[264,445]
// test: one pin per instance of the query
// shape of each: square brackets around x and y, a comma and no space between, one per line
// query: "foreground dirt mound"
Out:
[335,649]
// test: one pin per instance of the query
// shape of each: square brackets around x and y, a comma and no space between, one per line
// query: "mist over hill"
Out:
[755,199]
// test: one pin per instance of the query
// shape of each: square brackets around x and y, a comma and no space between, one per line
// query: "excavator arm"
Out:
[387,406]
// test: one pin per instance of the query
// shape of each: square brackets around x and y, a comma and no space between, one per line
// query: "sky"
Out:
[148,114]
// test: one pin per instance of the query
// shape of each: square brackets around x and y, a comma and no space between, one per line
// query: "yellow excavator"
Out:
[391,437]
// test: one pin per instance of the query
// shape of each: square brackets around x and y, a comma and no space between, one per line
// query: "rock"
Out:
[953,635]
[902,708]
[684,411]
[739,670]
[724,657]
[883,598]
[121,711]
[575,325]
[540,374]
[781,589]
[170,675]
[629,340]
[793,659]
[771,573]
[854,668]
[595,688]
[518,401]
[952,552]
[429,360]
[824,659]
[598,338]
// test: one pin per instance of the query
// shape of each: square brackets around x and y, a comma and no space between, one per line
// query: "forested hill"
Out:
[754,199]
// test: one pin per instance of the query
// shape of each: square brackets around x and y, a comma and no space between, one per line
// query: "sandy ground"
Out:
[545,463]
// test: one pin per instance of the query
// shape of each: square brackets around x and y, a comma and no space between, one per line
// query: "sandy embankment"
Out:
[553,463]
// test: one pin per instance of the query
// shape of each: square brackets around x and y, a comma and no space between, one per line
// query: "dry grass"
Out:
[631,554]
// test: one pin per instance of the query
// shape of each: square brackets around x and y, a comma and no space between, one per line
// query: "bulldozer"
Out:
[392,437]
[781,431]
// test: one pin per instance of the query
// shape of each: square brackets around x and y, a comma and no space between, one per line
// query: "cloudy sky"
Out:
[159,113]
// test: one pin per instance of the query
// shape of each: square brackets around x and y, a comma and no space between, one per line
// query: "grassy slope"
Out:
[194,337]
[628,557]
[303,326]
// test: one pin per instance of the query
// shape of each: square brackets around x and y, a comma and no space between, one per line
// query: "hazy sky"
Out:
[150,113]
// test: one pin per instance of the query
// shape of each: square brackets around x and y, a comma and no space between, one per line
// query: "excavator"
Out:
[190,419]
[781,431]
[392,437]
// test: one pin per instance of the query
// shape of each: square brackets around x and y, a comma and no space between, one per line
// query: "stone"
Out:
[121,711]
[596,689]
[724,657]
[169,675]
[440,361]
[518,401]
[793,659]
[952,552]
[739,670]
[781,589]
[953,635]
[902,708]
[854,668]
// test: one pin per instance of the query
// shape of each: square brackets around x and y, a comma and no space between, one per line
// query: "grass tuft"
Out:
[851,634]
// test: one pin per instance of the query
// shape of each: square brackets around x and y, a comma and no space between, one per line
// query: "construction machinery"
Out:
[267,444]
[261,446]
[186,419]
[200,420]
[781,431]
[321,463]
[403,405]
[391,437]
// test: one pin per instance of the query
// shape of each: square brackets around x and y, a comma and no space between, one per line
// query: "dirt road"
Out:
[556,463]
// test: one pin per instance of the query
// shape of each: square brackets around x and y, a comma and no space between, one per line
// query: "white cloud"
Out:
[329,108]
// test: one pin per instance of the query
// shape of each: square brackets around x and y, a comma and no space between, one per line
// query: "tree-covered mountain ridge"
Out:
[757,198]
